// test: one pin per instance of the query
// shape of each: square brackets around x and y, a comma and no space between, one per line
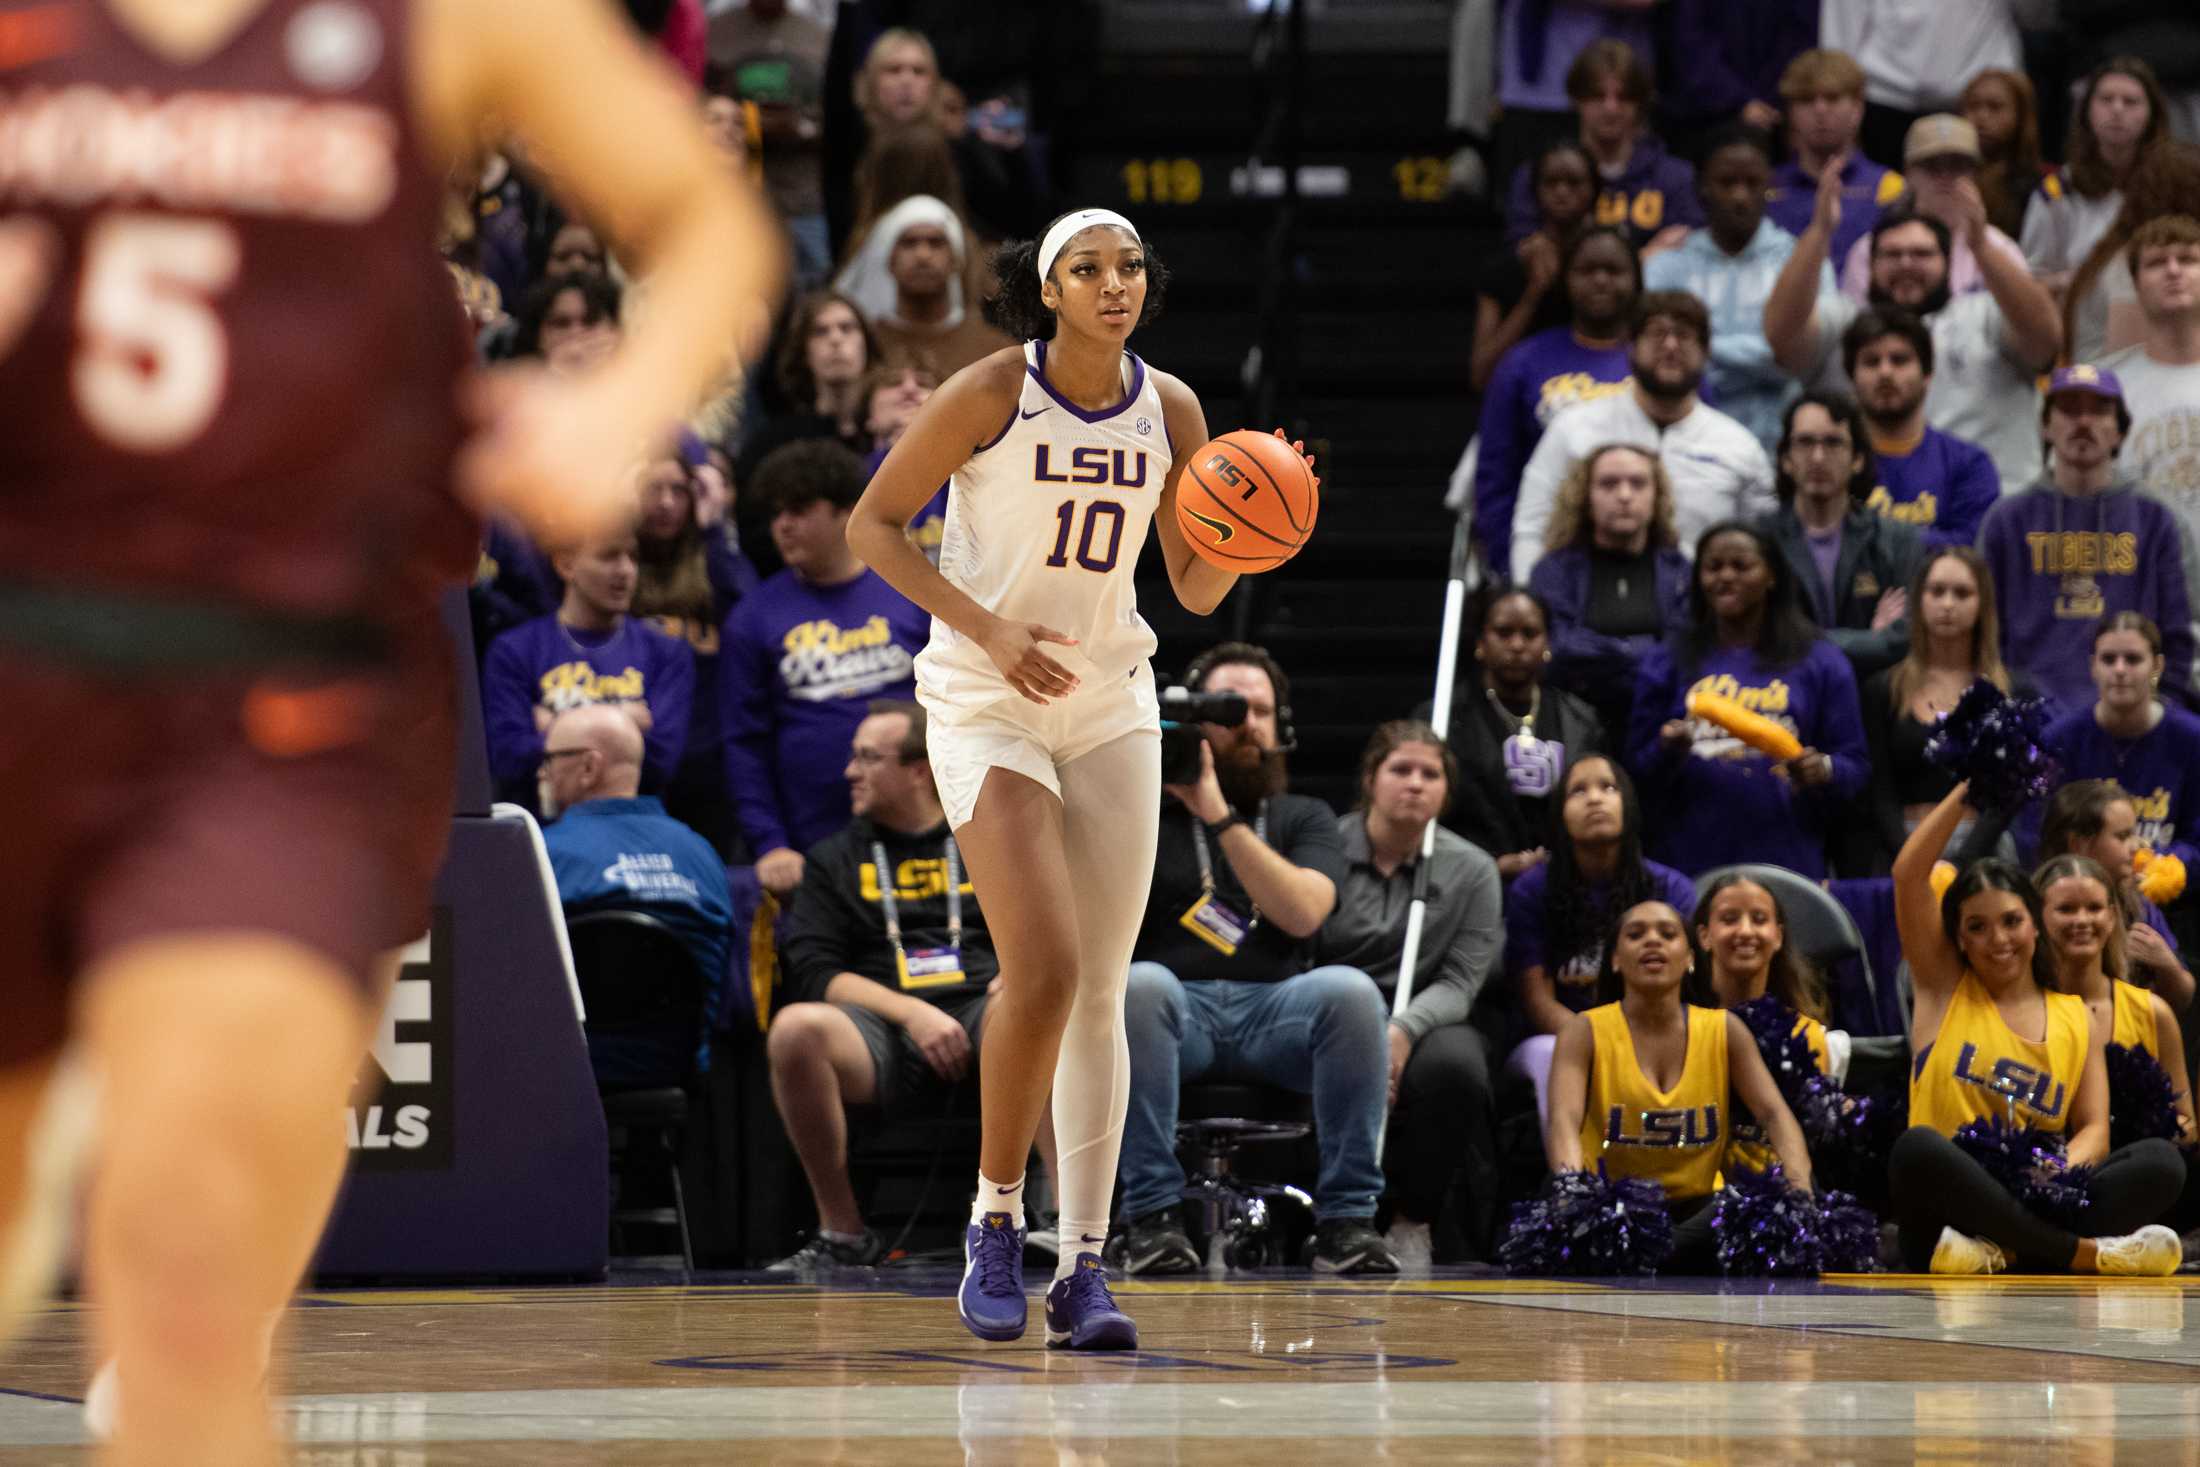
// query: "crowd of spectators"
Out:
[1806,378]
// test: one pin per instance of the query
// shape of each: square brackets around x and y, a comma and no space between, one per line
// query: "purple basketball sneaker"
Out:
[1081,1313]
[991,1301]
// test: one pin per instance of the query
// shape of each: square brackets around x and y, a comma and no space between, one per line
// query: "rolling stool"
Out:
[1236,1214]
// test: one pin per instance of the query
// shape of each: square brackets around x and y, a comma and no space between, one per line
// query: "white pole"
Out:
[1447,673]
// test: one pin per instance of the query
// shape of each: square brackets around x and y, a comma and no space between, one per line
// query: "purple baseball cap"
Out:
[2093,380]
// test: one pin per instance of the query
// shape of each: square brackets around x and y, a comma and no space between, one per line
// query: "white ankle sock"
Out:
[1078,1238]
[994,1197]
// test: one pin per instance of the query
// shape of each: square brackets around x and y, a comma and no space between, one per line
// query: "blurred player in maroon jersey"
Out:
[234,383]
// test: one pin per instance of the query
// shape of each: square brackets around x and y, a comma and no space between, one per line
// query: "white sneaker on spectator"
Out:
[1961,1253]
[2153,1252]
[1410,1241]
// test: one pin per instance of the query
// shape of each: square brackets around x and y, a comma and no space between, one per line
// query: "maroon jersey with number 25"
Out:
[227,347]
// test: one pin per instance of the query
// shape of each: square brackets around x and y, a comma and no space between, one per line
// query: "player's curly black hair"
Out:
[1016,307]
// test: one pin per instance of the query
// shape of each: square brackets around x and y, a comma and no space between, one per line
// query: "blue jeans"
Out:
[1319,1033]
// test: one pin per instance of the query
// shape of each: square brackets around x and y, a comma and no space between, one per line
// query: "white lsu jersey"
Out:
[1044,524]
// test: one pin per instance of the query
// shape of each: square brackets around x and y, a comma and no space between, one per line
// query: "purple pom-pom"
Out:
[1767,1228]
[1583,1225]
[1785,1048]
[2029,1165]
[2141,1101]
[1994,741]
[1851,1139]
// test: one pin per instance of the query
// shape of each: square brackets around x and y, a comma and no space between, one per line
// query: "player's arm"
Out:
[1199,584]
[1570,1061]
[972,408]
[552,72]
[1754,1086]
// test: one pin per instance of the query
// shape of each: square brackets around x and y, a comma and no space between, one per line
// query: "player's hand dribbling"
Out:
[553,452]
[942,1042]
[1014,647]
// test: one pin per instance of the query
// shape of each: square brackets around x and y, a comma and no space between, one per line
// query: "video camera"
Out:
[1181,715]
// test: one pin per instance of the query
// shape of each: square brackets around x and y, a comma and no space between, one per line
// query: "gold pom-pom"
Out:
[2161,877]
[1943,877]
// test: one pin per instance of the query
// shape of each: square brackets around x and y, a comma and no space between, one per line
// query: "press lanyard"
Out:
[892,906]
[1207,862]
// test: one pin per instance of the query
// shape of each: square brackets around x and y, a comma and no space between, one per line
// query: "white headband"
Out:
[1069,226]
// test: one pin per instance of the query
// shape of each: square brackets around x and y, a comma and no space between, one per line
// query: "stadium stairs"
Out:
[1382,292]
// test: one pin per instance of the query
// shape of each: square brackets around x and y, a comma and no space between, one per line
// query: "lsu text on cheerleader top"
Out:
[1749,1147]
[1676,1138]
[2135,1019]
[1978,1068]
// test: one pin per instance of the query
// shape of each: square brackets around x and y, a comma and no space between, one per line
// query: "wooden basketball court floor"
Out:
[1260,1371]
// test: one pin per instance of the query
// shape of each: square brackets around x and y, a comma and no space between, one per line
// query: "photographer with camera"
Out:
[1245,876]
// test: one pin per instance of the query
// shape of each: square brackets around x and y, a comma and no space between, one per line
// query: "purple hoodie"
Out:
[1654,190]
[546,665]
[1944,486]
[799,668]
[1716,804]
[2061,562]
[1537,379]
[2160,770]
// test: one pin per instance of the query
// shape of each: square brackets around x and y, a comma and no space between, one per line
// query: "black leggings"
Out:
[1446,1123]
[1935,1184]
[1695,1246]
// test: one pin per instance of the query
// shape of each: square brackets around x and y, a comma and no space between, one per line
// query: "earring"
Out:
[1546,654]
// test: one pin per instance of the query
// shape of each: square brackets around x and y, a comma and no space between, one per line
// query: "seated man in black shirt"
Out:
[887,953]
[1244,877]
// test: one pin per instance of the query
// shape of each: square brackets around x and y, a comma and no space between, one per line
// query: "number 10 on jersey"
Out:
[1065,519]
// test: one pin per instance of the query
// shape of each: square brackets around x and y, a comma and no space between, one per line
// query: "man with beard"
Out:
[1990,346]
[1932,480]
[908,278]
[1244,878]
[1718,468]
[2084,542]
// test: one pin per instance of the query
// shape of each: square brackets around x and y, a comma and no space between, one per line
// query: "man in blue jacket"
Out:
[614,848]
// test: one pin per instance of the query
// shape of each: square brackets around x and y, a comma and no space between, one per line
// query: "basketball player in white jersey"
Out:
[1045,727]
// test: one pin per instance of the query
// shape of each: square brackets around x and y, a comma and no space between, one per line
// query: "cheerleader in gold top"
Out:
[1992,1040]
[2085,932]
[1644,1084]
[1741,933]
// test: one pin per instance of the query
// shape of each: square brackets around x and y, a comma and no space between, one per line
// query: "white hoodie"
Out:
[1917,54]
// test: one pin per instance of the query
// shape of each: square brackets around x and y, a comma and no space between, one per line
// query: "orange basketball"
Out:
[1247,502]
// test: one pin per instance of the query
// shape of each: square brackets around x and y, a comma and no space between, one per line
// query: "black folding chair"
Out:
[638,977]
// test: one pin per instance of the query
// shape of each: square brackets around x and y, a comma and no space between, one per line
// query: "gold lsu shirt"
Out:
[1676,1137]
[1979,1068]
[1749,1148]
[2135,1019]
